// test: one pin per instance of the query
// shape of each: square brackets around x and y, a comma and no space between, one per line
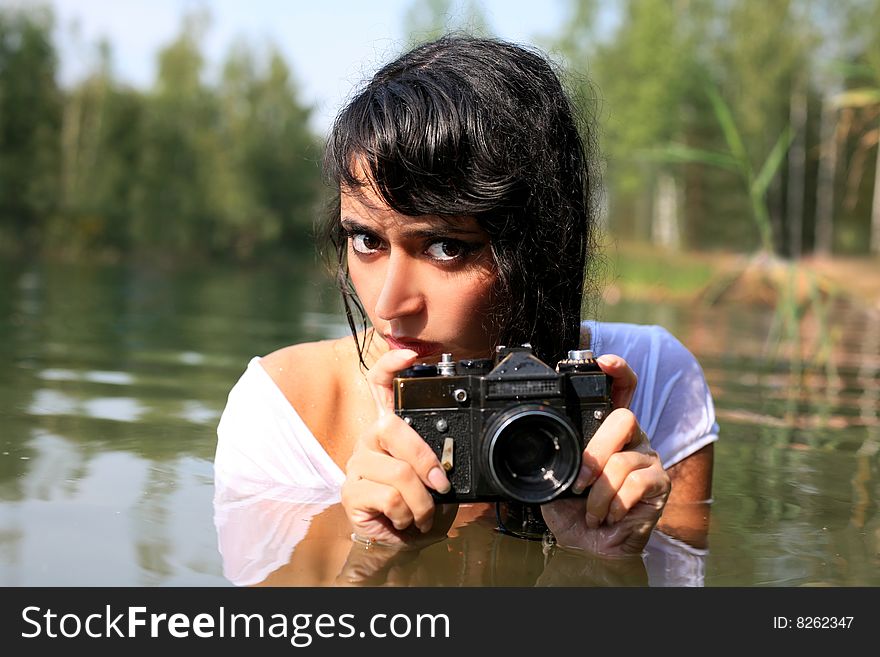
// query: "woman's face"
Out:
[425,282]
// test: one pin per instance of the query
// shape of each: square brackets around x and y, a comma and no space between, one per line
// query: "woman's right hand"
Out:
[385,493]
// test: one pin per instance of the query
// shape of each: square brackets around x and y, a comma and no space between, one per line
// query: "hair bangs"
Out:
[420,144]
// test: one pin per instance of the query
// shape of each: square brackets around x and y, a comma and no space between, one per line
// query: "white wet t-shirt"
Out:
[266,452]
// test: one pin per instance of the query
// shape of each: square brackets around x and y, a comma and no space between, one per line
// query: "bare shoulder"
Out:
[319,379]
[303,372]
[296,356]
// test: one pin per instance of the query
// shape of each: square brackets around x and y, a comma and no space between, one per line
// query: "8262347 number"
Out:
[813,622]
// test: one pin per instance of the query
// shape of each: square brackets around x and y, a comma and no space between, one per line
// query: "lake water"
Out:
[112,380]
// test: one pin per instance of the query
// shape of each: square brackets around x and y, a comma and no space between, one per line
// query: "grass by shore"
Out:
[643,272]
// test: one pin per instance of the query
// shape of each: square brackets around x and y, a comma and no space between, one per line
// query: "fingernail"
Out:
[591,520]
[606,360]
[425,527]
[615,513]
[438,480]
[584,479]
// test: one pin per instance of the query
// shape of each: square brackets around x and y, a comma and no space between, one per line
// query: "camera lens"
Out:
[533,453]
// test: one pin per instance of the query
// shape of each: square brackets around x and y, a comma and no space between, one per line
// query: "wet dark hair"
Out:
[478,127]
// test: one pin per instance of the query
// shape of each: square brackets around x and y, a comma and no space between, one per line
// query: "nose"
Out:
[400,295]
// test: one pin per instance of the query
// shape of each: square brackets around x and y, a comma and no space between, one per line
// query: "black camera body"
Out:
[508,429]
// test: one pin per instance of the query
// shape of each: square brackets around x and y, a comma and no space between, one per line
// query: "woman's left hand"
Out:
[629,485]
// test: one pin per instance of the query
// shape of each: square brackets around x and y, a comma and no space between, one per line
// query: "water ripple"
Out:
[54,402]
[94,376]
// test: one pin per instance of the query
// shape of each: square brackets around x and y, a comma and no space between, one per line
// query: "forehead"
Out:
[365,207]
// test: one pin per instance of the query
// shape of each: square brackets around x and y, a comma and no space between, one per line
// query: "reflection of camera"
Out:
[508,429]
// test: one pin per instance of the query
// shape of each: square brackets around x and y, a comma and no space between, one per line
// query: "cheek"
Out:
[366,287]
[473,299]
[479,296]
[483,286]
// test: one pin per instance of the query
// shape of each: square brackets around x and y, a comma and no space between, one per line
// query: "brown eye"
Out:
[366,244]
[445,250]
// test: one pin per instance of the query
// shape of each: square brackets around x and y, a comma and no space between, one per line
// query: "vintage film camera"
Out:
[508,429]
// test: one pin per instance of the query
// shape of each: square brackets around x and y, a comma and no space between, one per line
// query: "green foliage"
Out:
[180,170]
[30,122]
[275,186]
[763,46]
[642,272]
[644,72]
[230,169]
[736,160]
[770,62]
[425,20]
[100,151]
[863,43]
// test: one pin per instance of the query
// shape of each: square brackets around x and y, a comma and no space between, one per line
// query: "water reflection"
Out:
[796,479]
[106,518]
[301,537]
[55,403]
[112,379]
[115,378]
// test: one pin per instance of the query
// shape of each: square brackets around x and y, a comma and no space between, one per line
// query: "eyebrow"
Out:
[446,230]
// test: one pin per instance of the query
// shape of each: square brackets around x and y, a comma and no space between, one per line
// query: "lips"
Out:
[422,348]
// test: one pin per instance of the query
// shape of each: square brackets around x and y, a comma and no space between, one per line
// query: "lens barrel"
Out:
[533,453]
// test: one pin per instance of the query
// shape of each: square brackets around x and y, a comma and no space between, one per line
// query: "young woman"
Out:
[464,221]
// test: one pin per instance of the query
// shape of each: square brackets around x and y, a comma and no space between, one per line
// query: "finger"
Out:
[365,500]
[625,380]
[395,437]
[405,488]
[380,378]
[619,468]
[619,431]
[647,485]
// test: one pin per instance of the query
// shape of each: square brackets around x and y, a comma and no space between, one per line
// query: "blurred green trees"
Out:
[231,169]
[779,66]
[179,170]
[30,127]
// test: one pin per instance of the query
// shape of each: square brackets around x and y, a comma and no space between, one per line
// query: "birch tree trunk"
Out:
[796,169]
[875,205]
[664,227]
[825,182]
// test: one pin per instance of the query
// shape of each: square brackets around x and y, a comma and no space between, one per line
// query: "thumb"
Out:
[380,378]
[625,380]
